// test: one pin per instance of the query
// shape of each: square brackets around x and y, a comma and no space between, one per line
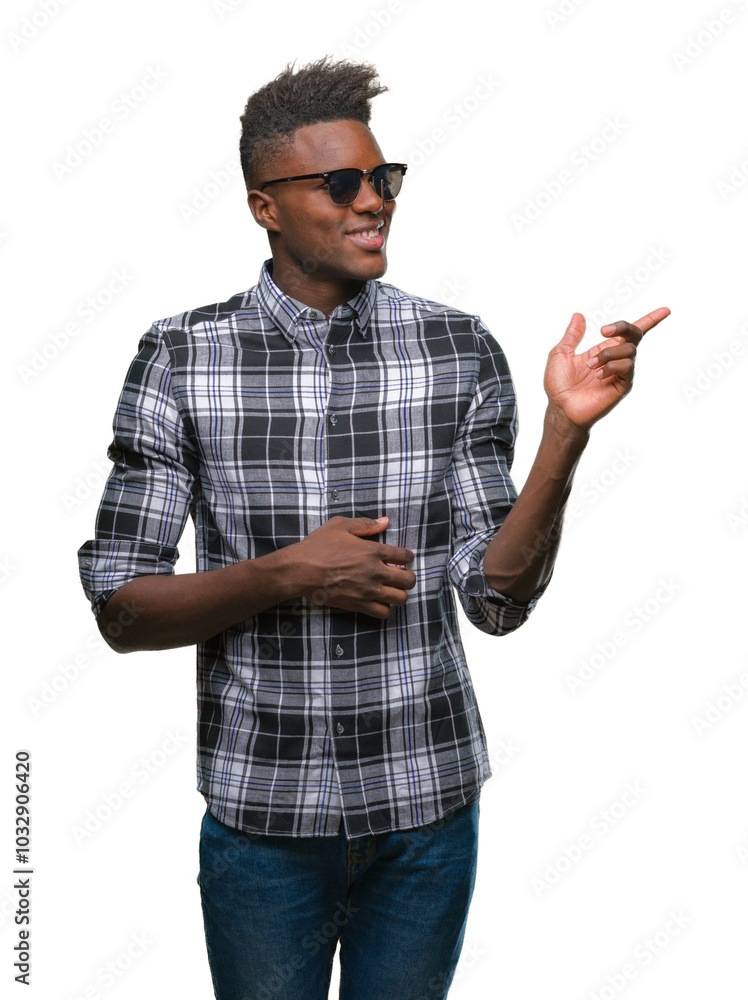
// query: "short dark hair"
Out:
[321,91]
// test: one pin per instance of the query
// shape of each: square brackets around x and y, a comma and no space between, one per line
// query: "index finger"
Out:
[652,319]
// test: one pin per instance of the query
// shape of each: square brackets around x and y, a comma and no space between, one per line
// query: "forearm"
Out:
[520,556]
[164,612]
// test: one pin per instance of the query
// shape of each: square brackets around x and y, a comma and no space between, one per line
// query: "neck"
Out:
[322,292]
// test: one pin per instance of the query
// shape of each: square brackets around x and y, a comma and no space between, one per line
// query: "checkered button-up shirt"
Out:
[261,419]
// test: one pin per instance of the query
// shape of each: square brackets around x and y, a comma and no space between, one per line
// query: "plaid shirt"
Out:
[261,419]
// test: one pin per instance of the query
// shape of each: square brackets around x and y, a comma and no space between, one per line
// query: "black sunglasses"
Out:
[344,185]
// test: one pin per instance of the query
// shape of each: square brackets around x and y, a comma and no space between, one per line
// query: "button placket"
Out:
[336,428]
[333,417]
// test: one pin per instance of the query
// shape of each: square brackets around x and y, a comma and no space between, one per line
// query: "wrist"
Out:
[568,434]
[277,574]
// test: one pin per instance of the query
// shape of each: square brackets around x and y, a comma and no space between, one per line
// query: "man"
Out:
[344,449]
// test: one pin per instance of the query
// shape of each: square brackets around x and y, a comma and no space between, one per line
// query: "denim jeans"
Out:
[275,907]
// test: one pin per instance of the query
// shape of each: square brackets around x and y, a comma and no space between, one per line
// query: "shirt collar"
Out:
[287,313]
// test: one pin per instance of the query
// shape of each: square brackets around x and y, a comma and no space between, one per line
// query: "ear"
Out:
[264,209]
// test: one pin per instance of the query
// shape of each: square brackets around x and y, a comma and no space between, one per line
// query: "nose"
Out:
[368,199]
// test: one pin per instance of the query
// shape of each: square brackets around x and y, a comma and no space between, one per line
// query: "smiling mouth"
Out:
[371,239]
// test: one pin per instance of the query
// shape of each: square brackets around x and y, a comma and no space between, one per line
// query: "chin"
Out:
[376,267]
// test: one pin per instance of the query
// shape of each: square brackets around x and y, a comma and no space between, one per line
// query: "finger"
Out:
[373,608]
[652,319]
[628,332]
[376,610]
[400,577]
[395,554]
[612,353]
[624,367]
[366,525]
[390,595]
[643,325]
[574,333]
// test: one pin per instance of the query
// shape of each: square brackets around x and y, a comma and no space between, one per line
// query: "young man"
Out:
[344,450]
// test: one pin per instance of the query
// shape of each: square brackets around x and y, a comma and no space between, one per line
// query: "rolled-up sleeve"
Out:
[149,492]
[482,491]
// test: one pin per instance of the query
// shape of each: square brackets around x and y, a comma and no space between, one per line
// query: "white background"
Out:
[647,589]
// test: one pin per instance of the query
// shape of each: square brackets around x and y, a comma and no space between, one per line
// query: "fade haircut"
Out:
[321,91]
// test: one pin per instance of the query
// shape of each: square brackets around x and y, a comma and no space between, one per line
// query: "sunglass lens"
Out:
[392,177]
[344,186]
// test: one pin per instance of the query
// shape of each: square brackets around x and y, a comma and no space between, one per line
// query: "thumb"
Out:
[574,333]
[368,525]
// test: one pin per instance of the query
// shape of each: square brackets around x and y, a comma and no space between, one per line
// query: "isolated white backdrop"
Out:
[488,105]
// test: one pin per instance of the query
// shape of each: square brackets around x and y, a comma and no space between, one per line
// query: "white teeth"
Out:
[370,234]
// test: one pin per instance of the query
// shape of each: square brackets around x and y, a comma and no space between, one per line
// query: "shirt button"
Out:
[335,494]
[340,729]
[313,314]
[331,348]
[333,418]
[338,650]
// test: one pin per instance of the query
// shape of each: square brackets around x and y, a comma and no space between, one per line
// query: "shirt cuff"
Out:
[491,610]
[478,586]
[105,564]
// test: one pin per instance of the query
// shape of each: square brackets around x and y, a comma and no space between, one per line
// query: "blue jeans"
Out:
[275,907]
